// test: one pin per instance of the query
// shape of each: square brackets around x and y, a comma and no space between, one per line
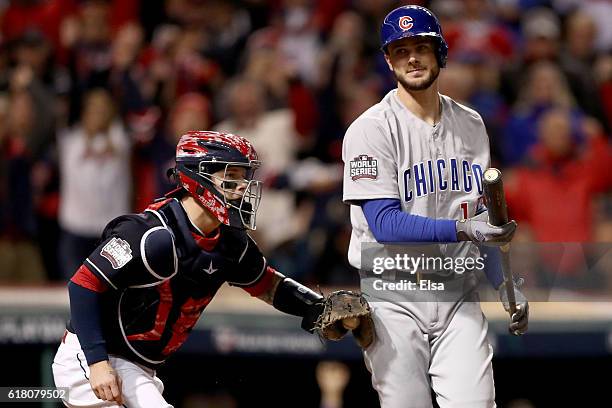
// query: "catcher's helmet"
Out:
[199,154]
[410,21]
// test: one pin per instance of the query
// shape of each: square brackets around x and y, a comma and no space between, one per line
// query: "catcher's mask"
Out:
[217,169]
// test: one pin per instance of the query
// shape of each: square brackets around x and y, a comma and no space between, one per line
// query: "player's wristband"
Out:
[296,299]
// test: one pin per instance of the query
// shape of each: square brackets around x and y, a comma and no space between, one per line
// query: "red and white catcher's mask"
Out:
[206,165]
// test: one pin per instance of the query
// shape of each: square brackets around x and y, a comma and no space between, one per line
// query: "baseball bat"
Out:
[498,215]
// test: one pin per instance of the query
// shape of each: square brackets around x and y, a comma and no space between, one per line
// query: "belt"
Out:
[432,276]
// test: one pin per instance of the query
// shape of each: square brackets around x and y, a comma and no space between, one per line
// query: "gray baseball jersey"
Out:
[423,339]
[435,171]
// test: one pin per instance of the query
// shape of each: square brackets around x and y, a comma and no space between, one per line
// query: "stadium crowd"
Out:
[94,95]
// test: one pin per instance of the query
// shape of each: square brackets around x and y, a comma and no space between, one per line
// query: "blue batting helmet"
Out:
[411,21]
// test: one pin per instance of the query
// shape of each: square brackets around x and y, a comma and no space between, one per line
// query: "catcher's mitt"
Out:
[344,310]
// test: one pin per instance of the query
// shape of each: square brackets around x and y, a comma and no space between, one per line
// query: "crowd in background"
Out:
[94,95]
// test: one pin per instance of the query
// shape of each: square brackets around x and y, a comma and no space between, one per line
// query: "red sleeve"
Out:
[85,278]
[263,284]
[304,107]
[516,200]
[597,162]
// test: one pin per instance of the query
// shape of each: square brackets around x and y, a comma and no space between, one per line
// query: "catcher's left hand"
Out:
[342,311]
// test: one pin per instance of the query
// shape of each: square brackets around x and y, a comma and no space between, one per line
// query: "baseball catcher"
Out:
[136,298]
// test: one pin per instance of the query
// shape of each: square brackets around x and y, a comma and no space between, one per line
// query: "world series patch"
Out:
[117,251]
[364,167]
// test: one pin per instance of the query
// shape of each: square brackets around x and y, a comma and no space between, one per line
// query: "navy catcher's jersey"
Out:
[161,279]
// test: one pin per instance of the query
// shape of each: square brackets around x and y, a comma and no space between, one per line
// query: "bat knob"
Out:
[491,175]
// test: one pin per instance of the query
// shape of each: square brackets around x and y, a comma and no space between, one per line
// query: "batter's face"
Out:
[414,63]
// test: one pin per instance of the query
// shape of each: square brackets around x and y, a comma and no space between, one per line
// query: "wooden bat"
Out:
[498,215]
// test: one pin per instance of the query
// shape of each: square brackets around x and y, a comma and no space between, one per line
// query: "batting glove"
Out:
[478,230]
[519,321]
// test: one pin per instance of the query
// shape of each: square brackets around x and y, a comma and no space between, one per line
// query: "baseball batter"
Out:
[413,173]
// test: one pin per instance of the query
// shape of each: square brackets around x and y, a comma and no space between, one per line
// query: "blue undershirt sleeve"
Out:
[492,265]
[389,223]
[85,320]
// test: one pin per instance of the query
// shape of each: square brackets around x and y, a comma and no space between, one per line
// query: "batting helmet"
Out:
[411,21]
[200,154]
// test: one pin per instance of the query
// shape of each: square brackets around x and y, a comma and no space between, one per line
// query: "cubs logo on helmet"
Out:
[413,21]
[405,23]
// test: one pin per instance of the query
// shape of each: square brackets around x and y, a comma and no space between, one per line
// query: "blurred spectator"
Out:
[332,377]
[125,73]
[191,111]
[293,34]
[266,66]
[577,60]
[290,75]
[458,81]
[176,66]
[326,13]
[20,258]
[474,83]
[472,75]
[227,28]
[299,39]
[345,71]
[599,10]
[329,234]
[546,87]
[475,32]
[372,13]
[99,56]
[553,191]
[95,178]
[541,33]
[283,87]
[36,74]
[32,50]
[87,40]
[27,134]
[43,15]
[274,136]
[553,194]
[36,134]
[186,13]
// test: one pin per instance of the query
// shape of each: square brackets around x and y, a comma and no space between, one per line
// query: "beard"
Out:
[418,84]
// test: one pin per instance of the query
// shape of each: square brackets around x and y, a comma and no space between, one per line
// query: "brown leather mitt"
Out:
[344,310]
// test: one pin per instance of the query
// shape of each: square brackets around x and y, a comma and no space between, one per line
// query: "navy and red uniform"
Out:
[140,293]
